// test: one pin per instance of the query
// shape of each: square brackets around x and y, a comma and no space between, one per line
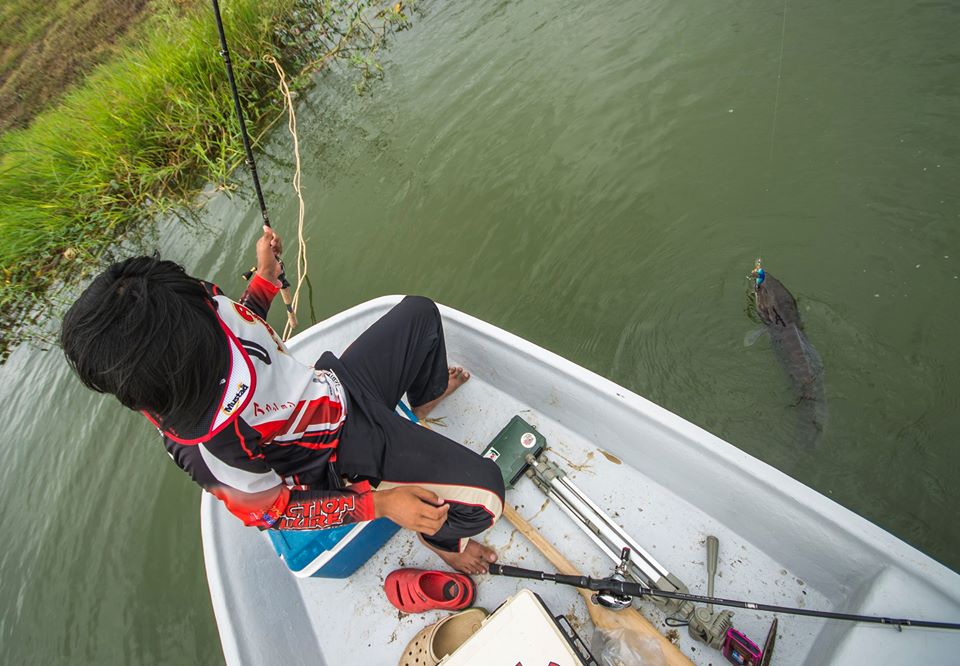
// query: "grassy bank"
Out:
[45,49]
[150,125]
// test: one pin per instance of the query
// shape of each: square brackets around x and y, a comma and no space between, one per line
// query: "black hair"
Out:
[148,333]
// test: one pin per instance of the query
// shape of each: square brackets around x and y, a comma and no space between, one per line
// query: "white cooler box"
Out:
[522,631]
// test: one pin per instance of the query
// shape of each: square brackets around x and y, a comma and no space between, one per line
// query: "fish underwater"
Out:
[777,309]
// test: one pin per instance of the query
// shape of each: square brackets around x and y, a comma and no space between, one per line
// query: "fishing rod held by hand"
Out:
[251,163]
[613,586]
[225,52]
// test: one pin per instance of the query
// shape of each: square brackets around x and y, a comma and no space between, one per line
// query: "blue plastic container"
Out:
[331,553]
[339,551]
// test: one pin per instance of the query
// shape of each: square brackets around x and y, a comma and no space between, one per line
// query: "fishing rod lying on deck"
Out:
[615,586]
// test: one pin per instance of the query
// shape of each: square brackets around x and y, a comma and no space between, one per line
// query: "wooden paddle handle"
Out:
[628,619]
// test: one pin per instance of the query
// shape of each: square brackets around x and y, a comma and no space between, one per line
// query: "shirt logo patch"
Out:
[244,313]
[241,391]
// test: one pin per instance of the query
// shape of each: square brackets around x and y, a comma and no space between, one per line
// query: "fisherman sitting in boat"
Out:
[272,438]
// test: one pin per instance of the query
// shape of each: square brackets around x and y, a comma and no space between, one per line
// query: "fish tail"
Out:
[811,419]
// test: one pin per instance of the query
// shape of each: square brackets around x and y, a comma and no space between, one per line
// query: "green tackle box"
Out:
[510,447]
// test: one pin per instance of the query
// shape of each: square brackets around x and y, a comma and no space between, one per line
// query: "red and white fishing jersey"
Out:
[266,444]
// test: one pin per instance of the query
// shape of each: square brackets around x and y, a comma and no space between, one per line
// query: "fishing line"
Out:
[776,101]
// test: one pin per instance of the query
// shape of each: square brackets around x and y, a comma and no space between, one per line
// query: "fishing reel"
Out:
[704,623]
[610,600]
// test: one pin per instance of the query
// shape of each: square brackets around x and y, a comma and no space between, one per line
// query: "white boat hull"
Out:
[669,482]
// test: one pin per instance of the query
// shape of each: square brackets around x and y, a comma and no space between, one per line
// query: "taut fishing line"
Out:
[776,99]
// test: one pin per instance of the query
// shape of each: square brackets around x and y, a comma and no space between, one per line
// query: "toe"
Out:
[458,376]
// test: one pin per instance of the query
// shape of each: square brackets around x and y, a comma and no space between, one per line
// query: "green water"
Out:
[595,177]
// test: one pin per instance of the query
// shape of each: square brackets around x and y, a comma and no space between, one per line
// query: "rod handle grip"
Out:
[515,572]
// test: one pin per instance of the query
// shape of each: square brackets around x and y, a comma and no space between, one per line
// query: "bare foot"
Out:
[474,559]
[455,379]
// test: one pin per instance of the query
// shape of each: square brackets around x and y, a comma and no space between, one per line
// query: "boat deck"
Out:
[666,481]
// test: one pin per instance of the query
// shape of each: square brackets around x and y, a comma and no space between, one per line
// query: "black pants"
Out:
[404,352]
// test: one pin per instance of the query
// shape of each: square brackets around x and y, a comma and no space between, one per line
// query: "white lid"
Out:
[521,631]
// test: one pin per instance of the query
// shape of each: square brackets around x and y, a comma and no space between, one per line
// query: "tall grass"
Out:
[139,133]
[138,129]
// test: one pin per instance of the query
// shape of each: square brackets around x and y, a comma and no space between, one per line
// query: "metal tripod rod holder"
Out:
[610,537]
[705,624]
[580,521]
[650,567]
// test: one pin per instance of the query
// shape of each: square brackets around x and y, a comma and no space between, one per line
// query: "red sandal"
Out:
[417,590]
